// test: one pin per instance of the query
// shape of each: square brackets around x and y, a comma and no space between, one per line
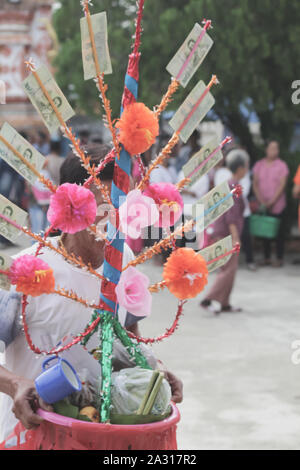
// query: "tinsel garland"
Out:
[94,317]
[70,294]
[61,251]
[55,350]
[75,146]
[162,244]
[29,165]
[165,153]
[106,363]
[132,348]
[184,182]
[167,98]
[110,157]
[99,80]
[121,183]
[167,334]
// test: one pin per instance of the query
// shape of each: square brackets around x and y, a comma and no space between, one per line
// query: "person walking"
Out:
[224,174]
[230,223]
[269,183]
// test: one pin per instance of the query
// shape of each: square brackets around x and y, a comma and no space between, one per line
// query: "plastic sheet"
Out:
[129,387]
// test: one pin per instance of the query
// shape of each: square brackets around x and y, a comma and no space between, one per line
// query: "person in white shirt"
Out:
[50,317]
[167,171]
[190,196]
[161,174]
[222,174]
[193,193]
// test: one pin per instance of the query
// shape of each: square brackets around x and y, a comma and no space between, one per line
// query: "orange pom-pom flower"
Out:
[32,276]
[185,273]
[138,128]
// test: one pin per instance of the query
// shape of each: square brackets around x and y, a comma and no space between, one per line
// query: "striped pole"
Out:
[113,258]
[120,188]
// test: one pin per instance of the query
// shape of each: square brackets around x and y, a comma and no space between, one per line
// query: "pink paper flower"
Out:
[168,200]
[137,212]
[72,208]
[32,276]
[133,294]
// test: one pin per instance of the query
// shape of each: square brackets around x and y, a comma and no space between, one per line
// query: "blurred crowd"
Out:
[264,189]
[264,193]
[264,199]
[264,186]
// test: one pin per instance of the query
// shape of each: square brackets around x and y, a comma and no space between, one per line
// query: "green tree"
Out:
[256,57]
[68,63]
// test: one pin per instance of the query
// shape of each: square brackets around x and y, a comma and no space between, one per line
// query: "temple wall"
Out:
[24,33]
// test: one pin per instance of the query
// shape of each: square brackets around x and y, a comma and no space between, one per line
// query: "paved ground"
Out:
[241,389]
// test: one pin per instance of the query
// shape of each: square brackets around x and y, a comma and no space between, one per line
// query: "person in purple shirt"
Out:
[230,223]
[269,182]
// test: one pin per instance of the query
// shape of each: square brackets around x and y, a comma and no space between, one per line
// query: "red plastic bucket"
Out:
[61,433]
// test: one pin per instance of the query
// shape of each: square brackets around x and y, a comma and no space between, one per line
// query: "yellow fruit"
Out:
[91,413]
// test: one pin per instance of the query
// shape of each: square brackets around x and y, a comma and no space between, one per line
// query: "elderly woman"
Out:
[231,223]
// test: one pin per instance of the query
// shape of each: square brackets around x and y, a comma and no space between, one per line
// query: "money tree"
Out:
[73,208]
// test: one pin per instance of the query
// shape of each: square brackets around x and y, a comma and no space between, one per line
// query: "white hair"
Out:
[236,158]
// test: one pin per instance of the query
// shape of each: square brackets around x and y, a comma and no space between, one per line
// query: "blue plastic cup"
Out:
[57,381]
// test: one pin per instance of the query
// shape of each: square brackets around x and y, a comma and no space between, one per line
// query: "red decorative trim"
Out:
[237,191]
[138,27]
[168,332]
[114,257]
[109,158]
[110,292]
[54,350]
[127,98]
[133,65]
[121,179]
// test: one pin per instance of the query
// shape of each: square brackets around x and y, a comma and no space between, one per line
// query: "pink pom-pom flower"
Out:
[133,294]
[137,212]
[168,200]
[32,276]
[72,208]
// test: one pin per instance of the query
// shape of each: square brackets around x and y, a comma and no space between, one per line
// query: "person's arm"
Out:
[278,193]
[256,190]
[296,191]
[25,398]
[175,383]
[235,234]
[21,390]
[246,185]
[188,193]
[201,187]
[296,188]
[232,218]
